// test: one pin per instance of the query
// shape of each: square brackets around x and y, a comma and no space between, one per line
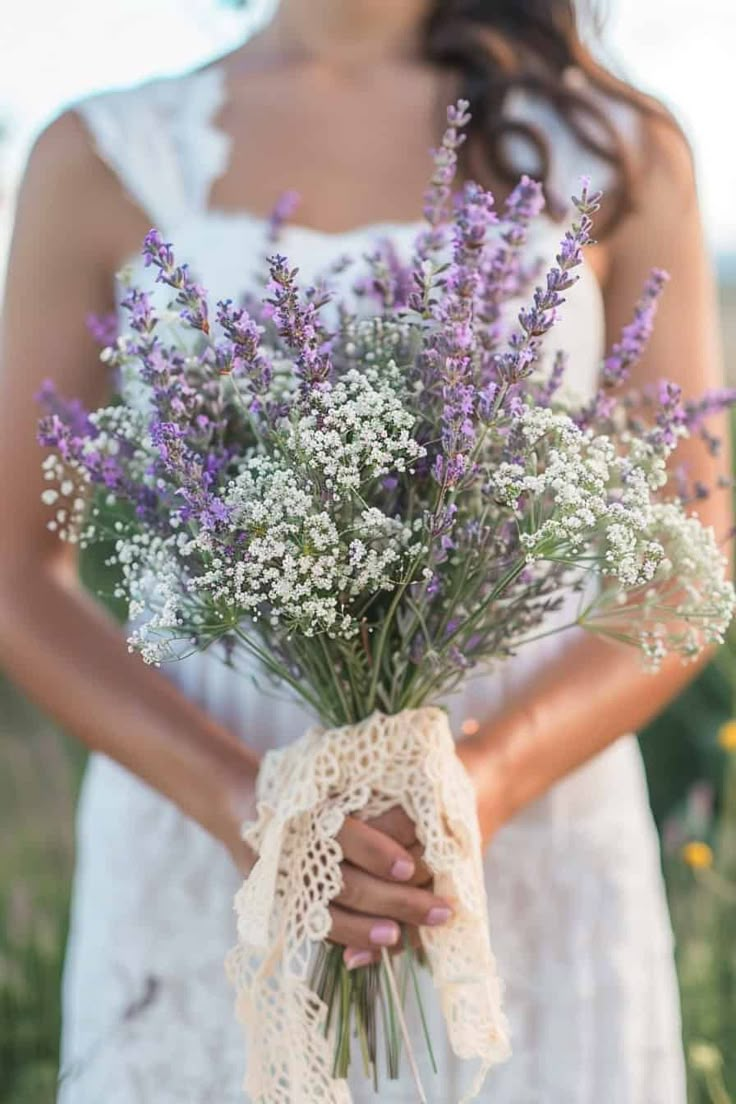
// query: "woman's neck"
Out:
[343,32]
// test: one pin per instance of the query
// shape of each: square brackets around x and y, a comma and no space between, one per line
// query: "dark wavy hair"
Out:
[536,46]
[495,47]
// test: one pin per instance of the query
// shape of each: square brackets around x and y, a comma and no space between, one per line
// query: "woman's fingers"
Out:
[364,893]
[355,958]
[362,932]
[396,824]
[366,847]
[422,874]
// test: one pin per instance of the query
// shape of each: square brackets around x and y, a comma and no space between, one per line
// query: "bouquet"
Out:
[371,508]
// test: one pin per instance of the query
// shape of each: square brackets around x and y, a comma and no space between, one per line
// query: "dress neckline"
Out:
[205,95]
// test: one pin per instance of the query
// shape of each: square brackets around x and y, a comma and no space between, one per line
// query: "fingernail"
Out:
[384,935]
[354,959]
[437,915]
[402,870]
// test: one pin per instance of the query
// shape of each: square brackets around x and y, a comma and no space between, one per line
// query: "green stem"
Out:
[383,635]
[336,681]
[277,669]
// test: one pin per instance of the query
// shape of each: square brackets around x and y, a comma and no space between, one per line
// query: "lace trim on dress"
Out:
[161,142]
[205,149]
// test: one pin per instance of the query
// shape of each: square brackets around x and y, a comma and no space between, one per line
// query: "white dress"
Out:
[579,921]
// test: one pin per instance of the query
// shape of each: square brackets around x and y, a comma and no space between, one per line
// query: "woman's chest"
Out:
[355,149]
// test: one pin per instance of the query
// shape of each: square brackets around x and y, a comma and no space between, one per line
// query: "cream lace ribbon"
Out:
[305,791]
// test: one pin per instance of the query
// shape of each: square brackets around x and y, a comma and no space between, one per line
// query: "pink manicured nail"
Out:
[402,870]
[437,915]
[384,935]
[354,959]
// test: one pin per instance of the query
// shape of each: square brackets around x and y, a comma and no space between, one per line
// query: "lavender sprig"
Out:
[627,352]
[635,337]
[433,240]
[242,355]
[503,277]
[192,297]
[283,209]
[536,321]
[299,326]
[438,194]
[389,280]
[455,335]
[103,328]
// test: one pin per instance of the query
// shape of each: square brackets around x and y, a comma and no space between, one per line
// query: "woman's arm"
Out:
[72,228]
[596,690]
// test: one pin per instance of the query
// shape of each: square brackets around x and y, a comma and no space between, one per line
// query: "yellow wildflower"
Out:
[698,855]
[705,1058]
[727,736]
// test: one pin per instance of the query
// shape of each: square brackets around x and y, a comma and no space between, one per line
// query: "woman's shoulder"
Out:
[153,137]
[130,104]
[103,151]
[68,141]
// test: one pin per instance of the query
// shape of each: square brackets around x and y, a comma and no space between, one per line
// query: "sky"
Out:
[53,52]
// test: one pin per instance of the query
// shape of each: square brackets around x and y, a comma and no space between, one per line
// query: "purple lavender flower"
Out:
[283,210]
[299,325]
[453,344]
[192,297]
[103,328]
[538,319]
[551,386]
[436,209]
[143,318]
[389,280]
[629,350]
[503,274]
[439,192]
[709,405]
[242,354]
[671,418]
[70,412]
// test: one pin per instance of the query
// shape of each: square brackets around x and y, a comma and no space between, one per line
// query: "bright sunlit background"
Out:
[681,50]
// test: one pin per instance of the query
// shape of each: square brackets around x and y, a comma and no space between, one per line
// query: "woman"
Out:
[338,99]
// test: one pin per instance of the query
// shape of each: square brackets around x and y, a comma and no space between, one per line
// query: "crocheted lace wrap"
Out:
[305,791]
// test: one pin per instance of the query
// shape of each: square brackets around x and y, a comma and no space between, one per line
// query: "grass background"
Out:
[693,790]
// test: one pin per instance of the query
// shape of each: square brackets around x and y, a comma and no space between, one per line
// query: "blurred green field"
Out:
[693,788]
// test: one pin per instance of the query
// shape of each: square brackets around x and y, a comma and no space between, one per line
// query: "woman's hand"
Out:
[385,885]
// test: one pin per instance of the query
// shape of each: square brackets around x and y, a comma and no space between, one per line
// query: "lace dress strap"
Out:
[160,140]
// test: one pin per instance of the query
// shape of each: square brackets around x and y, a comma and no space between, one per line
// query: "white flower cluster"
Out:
[67,497]
[577,490]
[70,479]
[375,340]
[296,564]
[151,580]
[357,430]
[692,602]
